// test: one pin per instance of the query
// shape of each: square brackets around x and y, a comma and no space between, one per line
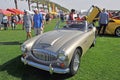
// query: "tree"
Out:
[16,6]
[29,4]
[36,1]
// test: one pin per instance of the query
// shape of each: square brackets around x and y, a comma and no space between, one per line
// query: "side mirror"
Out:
[90,27]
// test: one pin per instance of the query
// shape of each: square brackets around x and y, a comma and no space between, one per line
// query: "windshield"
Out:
[71,25]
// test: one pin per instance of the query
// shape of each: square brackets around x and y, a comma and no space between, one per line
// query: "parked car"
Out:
[113,27]
[59,50]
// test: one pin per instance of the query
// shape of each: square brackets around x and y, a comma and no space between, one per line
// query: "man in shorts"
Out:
[27,23]
[38,22]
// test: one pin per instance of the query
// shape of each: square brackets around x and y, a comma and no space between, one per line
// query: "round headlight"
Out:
[23,48]
[61,56]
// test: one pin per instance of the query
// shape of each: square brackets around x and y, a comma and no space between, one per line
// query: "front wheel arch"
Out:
[75,61]
[117,31]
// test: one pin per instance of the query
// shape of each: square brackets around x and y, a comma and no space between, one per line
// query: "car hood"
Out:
[53,40]
[117,21]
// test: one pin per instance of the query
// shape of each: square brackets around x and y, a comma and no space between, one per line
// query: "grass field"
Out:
[101,62]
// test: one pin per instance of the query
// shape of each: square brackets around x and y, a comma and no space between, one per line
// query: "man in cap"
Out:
[38,22]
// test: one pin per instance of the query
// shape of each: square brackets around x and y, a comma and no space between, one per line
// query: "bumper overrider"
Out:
[44,67]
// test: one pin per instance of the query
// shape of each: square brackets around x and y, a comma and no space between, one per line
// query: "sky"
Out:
[70,4]
[85,4]
[4,4]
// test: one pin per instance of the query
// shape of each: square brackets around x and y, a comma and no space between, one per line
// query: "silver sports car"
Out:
[59,50]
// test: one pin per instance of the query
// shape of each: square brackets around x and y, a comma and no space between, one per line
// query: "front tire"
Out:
[75,62]
[117,32]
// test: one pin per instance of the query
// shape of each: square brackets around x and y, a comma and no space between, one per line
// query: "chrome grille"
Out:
[44,55]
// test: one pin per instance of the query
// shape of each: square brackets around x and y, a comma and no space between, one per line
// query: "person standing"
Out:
[78,18]
[71,15]
[103,21]
[13,21]
[67,17]
[61,16]
[27,23]
[47,18]
[44,18]
[38,22]
[5,22]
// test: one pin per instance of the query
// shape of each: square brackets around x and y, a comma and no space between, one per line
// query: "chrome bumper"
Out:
[44,67]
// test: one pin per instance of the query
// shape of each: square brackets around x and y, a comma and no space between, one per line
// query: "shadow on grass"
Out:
[16,29]
[108,35]
[10,43]
[16,68]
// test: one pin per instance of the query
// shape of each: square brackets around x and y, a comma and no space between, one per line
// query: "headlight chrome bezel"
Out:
[24,48]
[62,56]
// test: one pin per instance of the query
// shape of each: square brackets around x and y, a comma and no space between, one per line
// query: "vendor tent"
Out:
[16,11]
[11,11]
[5,12]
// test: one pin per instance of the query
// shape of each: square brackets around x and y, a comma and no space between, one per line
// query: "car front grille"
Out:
[44,55]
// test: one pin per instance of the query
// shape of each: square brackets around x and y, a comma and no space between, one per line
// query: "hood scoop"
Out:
[46,45]
[54,41]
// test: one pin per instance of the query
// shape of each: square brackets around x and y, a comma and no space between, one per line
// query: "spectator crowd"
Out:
[37,20]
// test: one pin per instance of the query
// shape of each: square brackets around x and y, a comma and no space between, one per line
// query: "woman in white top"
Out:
[5,22]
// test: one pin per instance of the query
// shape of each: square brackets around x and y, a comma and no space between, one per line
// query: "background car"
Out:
[59,50]
[113,27]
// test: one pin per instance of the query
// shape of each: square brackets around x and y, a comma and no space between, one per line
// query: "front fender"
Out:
[70,47]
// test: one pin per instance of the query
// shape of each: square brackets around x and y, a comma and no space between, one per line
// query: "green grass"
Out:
[101,62]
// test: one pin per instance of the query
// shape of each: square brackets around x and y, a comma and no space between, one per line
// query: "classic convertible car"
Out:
[59,50]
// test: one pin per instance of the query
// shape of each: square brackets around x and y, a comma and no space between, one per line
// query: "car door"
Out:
[93,13]
[89,37]
[91,34]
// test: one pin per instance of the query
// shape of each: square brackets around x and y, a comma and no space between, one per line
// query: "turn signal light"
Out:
[24,55]
[62,65]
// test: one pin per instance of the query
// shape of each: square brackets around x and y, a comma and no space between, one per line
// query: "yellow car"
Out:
[113,26]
